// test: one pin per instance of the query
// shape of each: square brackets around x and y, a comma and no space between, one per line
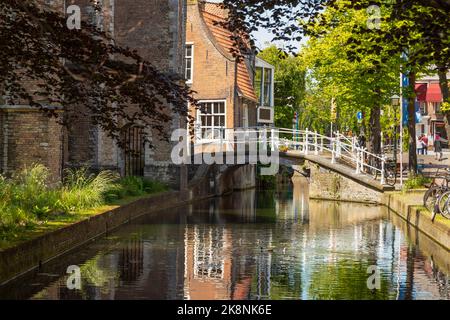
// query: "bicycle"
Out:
[442,205]
[390,172]
[437,197]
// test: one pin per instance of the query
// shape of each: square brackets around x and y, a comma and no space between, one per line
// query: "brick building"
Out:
[429,99]
[156,29]
[224,85]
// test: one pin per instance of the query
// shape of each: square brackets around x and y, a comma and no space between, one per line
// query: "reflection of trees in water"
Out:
[345,280]
[131,260]
[442,280]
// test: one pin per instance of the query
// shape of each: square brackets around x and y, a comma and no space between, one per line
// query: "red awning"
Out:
[434,93]
[421,92]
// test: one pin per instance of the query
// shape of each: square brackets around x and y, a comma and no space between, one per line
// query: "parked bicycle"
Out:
[390,172]
[437,197]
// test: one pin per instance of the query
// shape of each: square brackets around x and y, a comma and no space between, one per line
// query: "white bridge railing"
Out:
[338,148]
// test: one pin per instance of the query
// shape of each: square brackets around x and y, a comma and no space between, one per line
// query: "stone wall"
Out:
[27,136]
[326,184]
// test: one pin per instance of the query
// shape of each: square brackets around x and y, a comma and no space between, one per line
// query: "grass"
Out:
[30,206]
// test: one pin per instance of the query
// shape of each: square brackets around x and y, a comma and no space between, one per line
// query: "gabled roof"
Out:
[213,13]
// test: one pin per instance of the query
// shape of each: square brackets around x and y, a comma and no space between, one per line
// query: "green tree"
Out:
[416,27]
[364,82]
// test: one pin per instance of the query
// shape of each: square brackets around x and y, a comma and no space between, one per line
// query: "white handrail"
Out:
[339,146]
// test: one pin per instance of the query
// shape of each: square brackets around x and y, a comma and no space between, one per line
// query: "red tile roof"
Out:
[213,13]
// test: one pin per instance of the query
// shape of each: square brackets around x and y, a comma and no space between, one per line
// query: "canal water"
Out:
[251,245]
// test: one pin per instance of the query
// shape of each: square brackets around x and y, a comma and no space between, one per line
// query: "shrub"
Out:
[82,190]
[133,186]
[12,218]
[151,186]
[416,182]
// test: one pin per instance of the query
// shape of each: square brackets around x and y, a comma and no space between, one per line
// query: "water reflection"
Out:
[252,245]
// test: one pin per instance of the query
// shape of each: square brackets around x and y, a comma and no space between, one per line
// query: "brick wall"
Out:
[27,136]
[156,28]
[214,69]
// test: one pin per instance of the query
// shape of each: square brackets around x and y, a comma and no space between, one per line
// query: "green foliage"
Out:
[82,190]
[134,186]
[364,82]
[28,199]
[417,182]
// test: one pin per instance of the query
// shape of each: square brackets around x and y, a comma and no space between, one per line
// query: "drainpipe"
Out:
[236,96]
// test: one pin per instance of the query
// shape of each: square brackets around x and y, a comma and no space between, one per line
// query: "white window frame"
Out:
[263,65]
[199,118]
[191,80]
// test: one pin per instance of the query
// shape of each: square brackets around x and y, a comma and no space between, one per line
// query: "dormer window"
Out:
[264,83]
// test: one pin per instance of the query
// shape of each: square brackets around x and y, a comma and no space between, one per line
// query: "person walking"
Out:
[438,140]
[419,146]
[362,141]
[424,141]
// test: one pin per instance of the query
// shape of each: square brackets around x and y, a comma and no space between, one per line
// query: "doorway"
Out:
[134,152]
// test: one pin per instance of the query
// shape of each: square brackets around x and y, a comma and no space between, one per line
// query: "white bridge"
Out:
[338,152]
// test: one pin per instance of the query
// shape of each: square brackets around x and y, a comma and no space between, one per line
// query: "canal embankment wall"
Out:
[409,207]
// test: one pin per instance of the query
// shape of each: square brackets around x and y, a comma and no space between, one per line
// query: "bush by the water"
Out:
[417,182]
[27,198]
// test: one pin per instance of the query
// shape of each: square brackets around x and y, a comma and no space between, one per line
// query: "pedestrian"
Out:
[424,144]
[438,140]
[362,141]
[419,146]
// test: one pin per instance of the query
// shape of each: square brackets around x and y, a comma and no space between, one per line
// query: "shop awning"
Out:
[434,93]
[421,92]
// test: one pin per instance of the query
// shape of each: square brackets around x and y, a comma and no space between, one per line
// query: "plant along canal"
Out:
[251,245]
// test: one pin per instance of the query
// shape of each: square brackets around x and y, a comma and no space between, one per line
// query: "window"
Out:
[95,17]
[258,83]
[267,87]
[437,107]
[212,120]
[189,62]
[423,108]
[263,86]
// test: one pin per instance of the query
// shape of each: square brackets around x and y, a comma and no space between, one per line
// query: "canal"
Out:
[251,245]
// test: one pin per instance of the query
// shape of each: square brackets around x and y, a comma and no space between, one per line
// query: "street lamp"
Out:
[395,101]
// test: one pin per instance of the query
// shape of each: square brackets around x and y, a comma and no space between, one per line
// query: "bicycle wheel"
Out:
[443,203]
[391,176]
[430,198]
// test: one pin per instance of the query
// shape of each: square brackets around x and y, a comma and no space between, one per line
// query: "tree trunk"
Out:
[412,128]
[375,128]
